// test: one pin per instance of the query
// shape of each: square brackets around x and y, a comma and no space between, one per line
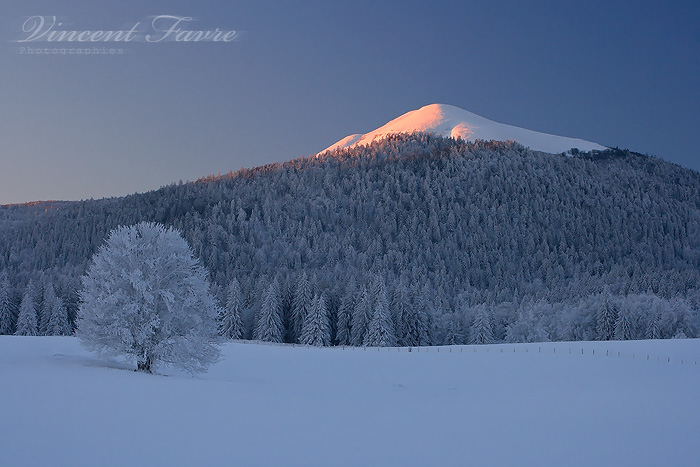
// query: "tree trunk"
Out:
[145,365]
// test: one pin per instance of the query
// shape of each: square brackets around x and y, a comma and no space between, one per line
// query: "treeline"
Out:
[528,242]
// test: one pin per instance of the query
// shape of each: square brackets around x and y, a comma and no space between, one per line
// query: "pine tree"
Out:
[301,305]
[652,331]
[380,331]
[623,325]
[403,314]
[8,311]
[230,321]
[606,319]
[362,314]
[455,331]
[26,322]
[268,326]
[317,329]
[46,309]
[482,328]
[345,311]
[58,320]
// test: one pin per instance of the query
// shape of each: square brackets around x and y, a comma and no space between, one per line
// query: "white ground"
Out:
[280,405]
[448,120]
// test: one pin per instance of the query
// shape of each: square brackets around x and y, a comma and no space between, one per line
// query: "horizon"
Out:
[294,79]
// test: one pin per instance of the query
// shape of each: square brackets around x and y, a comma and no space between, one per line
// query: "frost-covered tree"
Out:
[48,304]
[8,312]
[344,318]
[403,314]
[380,330]
[26,322]
[652,331]
[361,316]
[455,330]
[145,295]
[482,328]
[301,305]
[623,324]
[58,324]
[317,328]
[230,321]
[606,319]
[268,324]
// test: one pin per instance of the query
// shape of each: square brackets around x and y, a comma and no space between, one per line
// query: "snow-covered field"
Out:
[281,405]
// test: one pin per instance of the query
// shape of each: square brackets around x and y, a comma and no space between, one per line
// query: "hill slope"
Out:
[451,121]
[275,405]
[540,238]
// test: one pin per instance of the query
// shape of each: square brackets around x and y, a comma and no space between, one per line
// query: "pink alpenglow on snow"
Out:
[450,121]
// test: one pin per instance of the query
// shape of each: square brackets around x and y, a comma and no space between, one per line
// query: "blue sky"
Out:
[307,73]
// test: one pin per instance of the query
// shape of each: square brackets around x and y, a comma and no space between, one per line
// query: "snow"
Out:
[282,405]
[448,120]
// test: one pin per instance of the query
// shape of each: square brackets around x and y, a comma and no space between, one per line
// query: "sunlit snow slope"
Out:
[447,120]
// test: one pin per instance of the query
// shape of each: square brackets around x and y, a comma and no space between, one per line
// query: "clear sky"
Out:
[304,74]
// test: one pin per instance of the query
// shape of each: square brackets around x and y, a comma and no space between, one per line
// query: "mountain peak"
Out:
[450,121]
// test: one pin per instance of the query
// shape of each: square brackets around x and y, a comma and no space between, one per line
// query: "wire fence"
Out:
[500,349]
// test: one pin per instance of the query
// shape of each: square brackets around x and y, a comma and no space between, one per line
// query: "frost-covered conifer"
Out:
[455,330]
[268,325]
[58,319]
[8,312]
[48,303]
[482,328]
[362,314]
[145,295]
[403,314]
[317,328]
[345,311]
[380,330]
[26,322]
[606,319]
[623,325]
[652,330]
[230,321]
[301,304]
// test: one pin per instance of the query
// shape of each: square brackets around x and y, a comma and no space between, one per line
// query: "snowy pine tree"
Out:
[482,328]
[8,312]
[345,311]
[380,330]
[230,321]
[317,328]
[145,295]
[301,305]
[652,330]
[361,316]
[403,315]
[26,322]
[268,325]
[48,303]
[623,325]
[606,319]
[455,330]
[58,324]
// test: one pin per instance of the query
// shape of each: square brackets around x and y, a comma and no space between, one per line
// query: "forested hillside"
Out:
[468,242]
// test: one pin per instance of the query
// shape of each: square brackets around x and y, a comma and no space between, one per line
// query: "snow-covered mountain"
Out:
[448,120]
